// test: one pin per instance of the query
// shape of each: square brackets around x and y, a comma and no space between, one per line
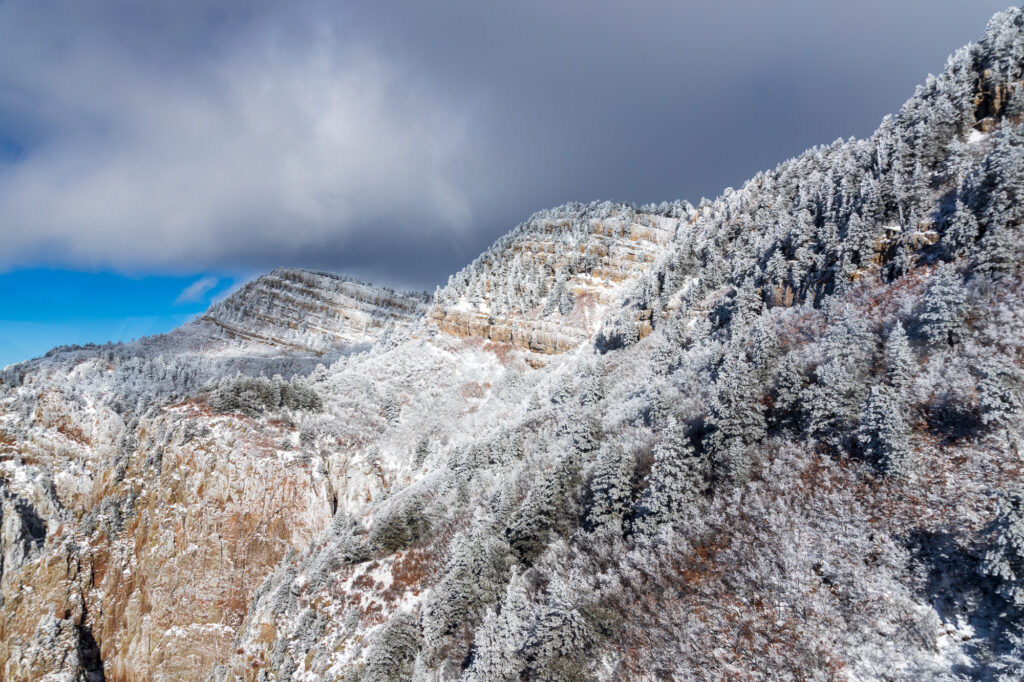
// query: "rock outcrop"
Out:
[544,287]
[314,311]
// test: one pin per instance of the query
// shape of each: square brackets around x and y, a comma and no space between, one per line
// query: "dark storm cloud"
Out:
[396,140]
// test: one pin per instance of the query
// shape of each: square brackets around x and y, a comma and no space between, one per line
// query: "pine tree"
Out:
[900,363]
[422,452]
[530,526]
[943,307]
[1000,395]
[1004,559]
[500,637]
[884,435]
[558,639]
[474,578]
[961,229]
[747,305]
[790,383]
[997,253]
[679,478]
[392,408]
[737,417]
[394,650]
[764,348]
[612,486]
[566,300]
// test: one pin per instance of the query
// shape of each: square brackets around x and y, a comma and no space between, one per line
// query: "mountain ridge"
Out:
[775,436]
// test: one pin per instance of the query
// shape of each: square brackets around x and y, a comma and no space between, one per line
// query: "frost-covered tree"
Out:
[501,636]
[789,384]
[942,309]
[422,452]
[530,525]
[764,348]
[611,486]
[558,638]
[392,408]
[474,578]
[737,417]
[1004,559]
[401,523]
[1000,391]
[394,650]
[884,435]
[900,363]
[961,228]
[566,300]
[678,480]
[1010,665]
[840,387]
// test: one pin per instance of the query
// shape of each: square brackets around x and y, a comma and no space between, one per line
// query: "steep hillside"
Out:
[775,436]
[314,311]
[545,286]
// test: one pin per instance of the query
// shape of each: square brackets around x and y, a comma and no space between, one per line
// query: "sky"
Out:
[149,149]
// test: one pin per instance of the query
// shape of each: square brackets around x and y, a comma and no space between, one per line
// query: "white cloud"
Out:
[271,142]
[196,291]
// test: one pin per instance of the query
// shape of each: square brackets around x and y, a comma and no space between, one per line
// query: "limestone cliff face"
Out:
[134,533]
[545,286]
[314,311]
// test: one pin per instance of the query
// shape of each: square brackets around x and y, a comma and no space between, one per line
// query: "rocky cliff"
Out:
[545,286]
[314,311]
[776,436]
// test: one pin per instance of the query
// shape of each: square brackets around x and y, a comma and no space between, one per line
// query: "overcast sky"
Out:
[396,140]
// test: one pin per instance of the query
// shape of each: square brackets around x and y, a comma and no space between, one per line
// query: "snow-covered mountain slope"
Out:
[546,285]
[775,436]
[314,311]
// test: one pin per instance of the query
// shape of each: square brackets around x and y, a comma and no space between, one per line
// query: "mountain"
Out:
[314,311]
[773,436]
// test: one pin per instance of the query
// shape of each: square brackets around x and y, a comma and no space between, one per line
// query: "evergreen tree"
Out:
[961,228]
[612,486]
[747,305]
[558,638]
[422,452]
[764,348]
[501,636]
[1000,394]
[943,307]
[392,408]
[884,435]
[394,650]
[840,387]
[1004,559]
[531,523]
[997,252]
[737,417]
[474,578]
[790,383]
[566,300]
[679,478]
[900,363]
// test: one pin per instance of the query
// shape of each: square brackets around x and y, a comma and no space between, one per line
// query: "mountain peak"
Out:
[314,311]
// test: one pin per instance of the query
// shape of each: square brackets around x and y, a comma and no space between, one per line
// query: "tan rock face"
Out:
[597,255]
[312,311]
[211,515]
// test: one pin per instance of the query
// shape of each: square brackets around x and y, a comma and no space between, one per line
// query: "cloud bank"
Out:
[395,140]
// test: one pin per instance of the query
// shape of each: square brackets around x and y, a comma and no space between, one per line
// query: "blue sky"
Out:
[393,141]
[43,308]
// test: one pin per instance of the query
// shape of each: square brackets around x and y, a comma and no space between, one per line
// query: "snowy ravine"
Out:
[776,436]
